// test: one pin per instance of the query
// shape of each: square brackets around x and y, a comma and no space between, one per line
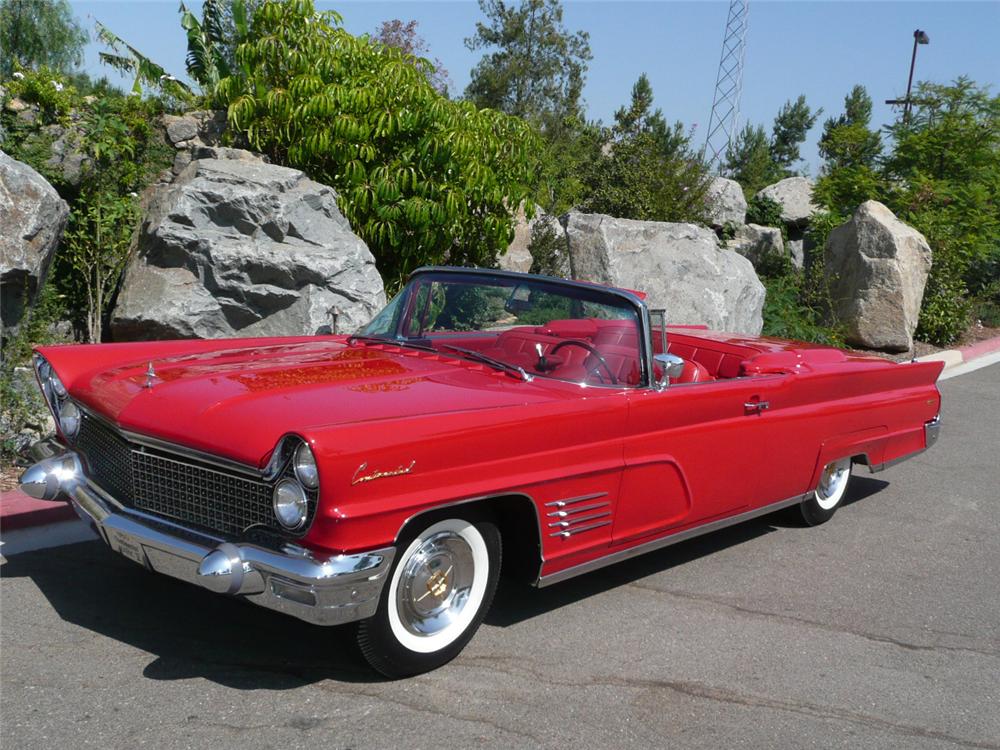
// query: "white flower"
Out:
[133,195]
[59,86]
[18,75]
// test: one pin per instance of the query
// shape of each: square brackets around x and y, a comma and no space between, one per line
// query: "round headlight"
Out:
[290,504]
[57,386]
[69,418]
[305,467]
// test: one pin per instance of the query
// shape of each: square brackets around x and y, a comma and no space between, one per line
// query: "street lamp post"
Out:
[919,37]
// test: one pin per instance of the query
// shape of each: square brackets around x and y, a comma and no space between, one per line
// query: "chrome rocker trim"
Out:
[322,591]
[665,541]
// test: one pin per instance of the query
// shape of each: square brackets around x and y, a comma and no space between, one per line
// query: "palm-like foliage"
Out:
[222,27]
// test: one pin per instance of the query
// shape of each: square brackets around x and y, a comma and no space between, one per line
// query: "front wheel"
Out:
[441,587]
[820,506]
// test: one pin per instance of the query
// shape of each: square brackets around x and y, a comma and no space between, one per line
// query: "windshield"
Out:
[537,327]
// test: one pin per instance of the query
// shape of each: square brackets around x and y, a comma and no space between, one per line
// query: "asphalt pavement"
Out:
[880,629]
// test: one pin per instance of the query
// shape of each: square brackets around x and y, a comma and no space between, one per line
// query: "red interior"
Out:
[617,343]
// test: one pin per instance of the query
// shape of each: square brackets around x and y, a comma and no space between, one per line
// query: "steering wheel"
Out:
[590,348]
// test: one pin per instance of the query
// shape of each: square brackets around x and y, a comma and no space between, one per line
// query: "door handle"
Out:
[756,406]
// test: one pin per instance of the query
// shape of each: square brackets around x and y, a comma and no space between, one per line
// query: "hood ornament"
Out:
[150,374]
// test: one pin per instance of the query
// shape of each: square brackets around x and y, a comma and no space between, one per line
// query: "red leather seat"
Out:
[693,373]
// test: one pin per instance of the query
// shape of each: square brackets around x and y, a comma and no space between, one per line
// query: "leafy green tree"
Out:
[223,25]
[535,67]
[421,178]
[851,151]
[791,125]
[755,160]
[944,179]
[36,33]
[128,60]
[748,160]
[646,169]
[404,37]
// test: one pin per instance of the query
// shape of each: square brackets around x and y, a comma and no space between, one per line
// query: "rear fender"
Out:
[869,443]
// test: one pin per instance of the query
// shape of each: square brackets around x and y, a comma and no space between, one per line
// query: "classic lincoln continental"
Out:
[375,478]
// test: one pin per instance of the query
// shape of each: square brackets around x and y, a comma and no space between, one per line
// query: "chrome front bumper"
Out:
[321,590]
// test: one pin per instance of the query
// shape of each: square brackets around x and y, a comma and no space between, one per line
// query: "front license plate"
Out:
[127,548]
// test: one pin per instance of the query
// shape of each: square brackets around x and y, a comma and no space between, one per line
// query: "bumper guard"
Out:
[323,591]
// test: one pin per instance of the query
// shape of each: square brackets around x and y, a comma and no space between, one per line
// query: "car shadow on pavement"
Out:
[195,633]
[190,631]
[516,601]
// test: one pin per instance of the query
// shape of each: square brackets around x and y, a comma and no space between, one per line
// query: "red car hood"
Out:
[237,402]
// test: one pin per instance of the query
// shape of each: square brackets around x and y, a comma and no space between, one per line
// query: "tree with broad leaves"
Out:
[404,37]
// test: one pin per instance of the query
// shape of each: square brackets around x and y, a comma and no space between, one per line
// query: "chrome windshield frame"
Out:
[642,312]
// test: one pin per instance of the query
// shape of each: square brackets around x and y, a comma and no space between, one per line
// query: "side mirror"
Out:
[672,366]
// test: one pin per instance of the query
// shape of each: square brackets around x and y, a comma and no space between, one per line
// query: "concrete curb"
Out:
[20,513]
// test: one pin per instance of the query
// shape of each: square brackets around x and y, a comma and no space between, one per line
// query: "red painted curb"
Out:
[19,511]
[980,349]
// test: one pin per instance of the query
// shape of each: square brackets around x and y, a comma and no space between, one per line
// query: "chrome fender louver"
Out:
[578,514]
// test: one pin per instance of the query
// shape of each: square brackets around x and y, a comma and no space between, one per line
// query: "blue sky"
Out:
[820,49]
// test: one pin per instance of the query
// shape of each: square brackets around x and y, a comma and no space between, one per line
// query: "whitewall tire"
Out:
[440,589]
[829,494]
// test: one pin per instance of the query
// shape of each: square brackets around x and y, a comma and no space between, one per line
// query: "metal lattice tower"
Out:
[725,116]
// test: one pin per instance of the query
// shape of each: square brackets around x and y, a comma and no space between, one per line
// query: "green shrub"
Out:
[790,313]
[21,403]
[421,178]
[767,213]
[547,249]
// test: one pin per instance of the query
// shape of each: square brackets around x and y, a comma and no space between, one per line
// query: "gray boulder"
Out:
[725,203]
[794,194]
[238,247]
[878,268]
[32,220]
[760,245]
[518,255]
[680,267]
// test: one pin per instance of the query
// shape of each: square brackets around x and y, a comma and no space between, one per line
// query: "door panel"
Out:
[695,452]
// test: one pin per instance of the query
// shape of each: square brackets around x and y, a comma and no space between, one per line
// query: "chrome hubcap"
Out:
[435,584]
[832,483]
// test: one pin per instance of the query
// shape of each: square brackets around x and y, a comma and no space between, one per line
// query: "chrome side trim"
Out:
[664,541]
[574,514]
[932,429]
[571,500]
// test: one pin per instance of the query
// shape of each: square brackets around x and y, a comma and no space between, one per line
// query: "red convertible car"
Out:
[376,478]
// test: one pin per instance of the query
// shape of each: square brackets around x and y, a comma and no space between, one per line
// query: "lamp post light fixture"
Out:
[919,37]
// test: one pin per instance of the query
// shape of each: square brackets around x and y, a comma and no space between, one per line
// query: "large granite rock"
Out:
[725,203]
[762,246]
[518,255]
[794,195]
[32,220]
[877,267]
[237,247]
[680,266]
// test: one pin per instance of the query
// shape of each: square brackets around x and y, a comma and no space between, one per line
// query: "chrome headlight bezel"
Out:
[69,419]
[290,504]
[304,466]
[57,398]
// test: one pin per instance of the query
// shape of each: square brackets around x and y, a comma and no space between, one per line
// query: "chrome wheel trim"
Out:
[438,586]
[833,483]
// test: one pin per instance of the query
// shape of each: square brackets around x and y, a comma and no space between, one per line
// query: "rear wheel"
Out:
[820,506]
[441,587]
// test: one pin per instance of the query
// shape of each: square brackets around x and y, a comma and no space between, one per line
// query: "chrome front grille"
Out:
[175,486]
